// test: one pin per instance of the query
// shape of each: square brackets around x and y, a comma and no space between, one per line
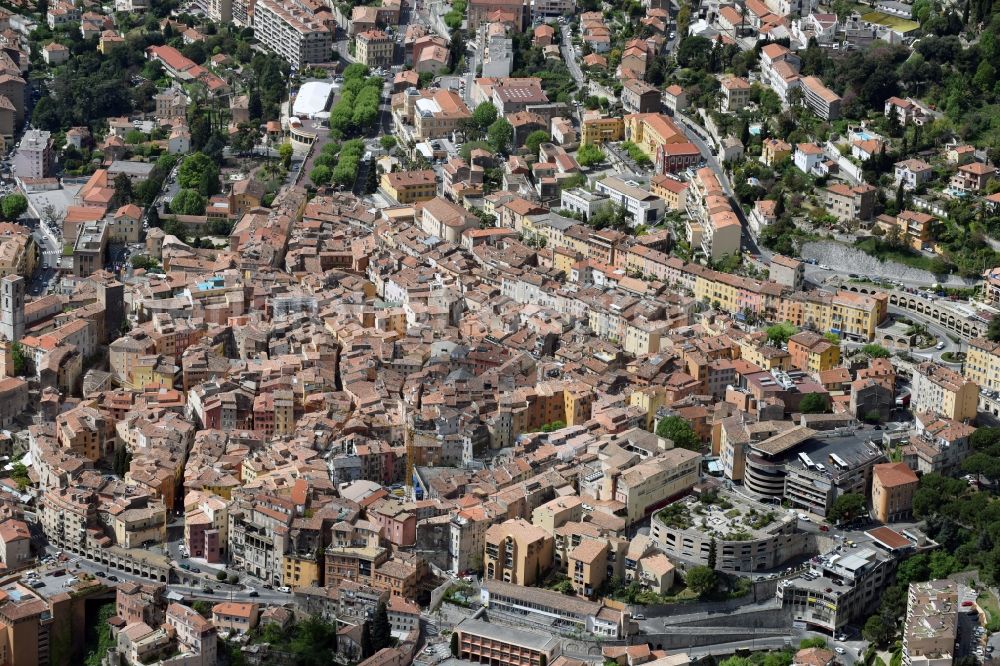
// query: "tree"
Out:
[877,631]
[20,474]
[847,507]
[366,641]
[679,431]
[816,642]
[388,142]
[123,191]
[285,153]
[188,202]
[814,403]
[484,115]
[245,139]
[220,575]
[199,172]
[875,351]
[13,206]
[381,630]
[20,359]
[454,644]
[202,607]
[779,333]
[536,139]
[501,136]
[713,554]
[589,155]
[700,580]
[320,175]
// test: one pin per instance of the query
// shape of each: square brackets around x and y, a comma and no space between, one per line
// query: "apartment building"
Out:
[500,645]
[587,566]
[596,129]
[856,316]
[374,48]
[824,102]
[940,390]
[408,187]
[640,97]
[655,481]
[931,626]
[541,606]
[850,203]
[812,352]
[220,11]
[292,31]
[34,157]
[517,552]
[841,589]
[785,270]
[91,248]
[893,487]
[479,12]
[982,362]
[671,190]
[775,151]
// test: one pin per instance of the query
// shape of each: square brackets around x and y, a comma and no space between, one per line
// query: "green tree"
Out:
[320,175]
[388,142]
[454,644]
[536,139]
[202,607]
[501,136]
[484,115]
[816,642]
[875,351]
[13,206]
[877,631]
[713,554]
[20,359]
[220,575]
[245,139]
[285,153]
[188,202]
[99,636]
[700,580]
[679,431]
[199,172]
[779,333]
[589,155]
[847,507]
[20,475]
[814,403]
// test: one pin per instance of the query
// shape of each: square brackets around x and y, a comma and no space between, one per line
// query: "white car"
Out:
[939,346]
[839,650]
[285,589]
[804,517]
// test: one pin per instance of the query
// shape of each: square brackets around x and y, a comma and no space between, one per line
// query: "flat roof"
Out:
[519,637]
[313,97]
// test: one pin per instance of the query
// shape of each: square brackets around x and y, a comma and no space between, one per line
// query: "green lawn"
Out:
[894,22]
[989,604]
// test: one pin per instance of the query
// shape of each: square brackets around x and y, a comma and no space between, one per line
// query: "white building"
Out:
[293,32]
[641,206]
[34,157]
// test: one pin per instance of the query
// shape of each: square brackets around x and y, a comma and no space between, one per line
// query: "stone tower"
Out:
[12,308]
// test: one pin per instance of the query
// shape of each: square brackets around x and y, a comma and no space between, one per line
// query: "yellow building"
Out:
[136,526]
[937,389]
[300,571]
[649,131]
[563,259]
[893,487]
[775,151]
[856,316]
[671,190]
[811,352]
[517,552]
[650,399]
[597,130]
[408,187]
[757,350]
[587,566]
[153,371]
[374,48]
[982,363]
[556,513]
